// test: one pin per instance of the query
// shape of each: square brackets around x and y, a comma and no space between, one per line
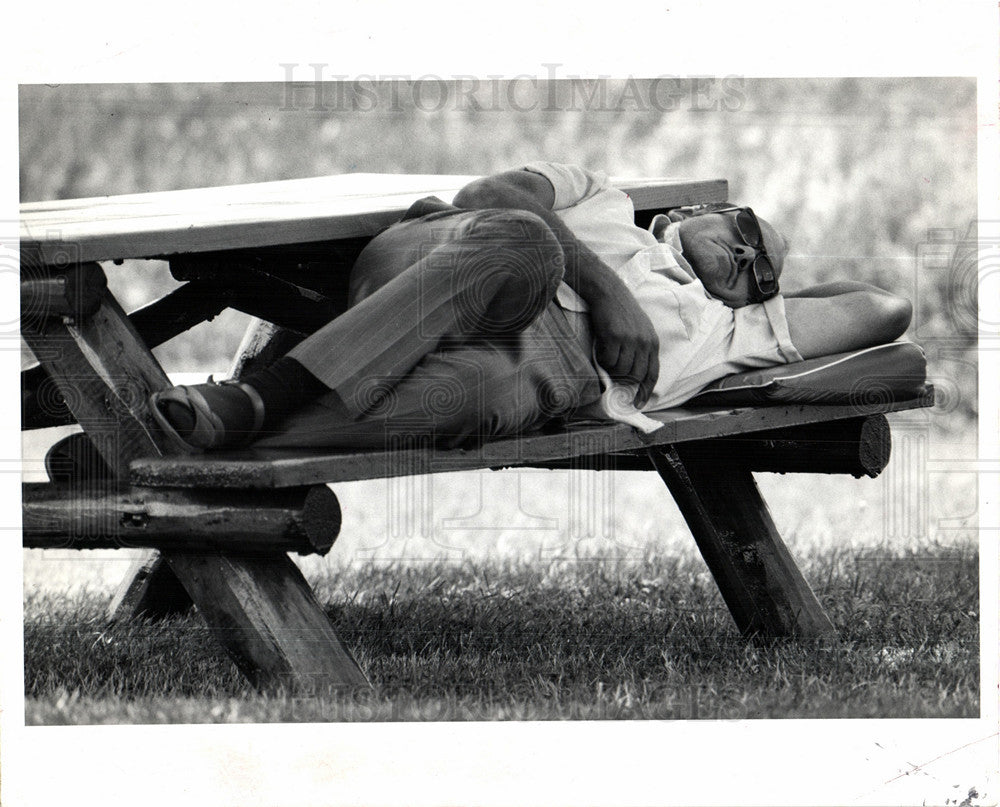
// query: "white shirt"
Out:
[701,339]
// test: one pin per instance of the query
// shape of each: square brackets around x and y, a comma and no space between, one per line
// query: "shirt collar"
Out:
[668,233]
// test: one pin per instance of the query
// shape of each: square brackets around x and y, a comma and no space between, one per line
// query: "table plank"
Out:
[275,468]
[294,211]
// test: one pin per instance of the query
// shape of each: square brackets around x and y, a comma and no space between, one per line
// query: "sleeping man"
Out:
[534,297]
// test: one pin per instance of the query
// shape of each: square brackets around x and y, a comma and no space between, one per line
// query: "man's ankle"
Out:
[284,387]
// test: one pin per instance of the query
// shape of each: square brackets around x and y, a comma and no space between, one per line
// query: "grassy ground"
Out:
[603,639]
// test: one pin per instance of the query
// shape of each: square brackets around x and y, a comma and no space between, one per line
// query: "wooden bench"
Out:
[219,526]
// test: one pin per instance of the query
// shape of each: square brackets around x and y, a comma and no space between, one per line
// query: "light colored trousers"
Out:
[452,335]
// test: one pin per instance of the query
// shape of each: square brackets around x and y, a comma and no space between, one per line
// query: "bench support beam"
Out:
[304,520]
[759,581]
[857,446]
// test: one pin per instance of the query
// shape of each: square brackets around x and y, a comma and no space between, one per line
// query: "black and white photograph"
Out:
[577,433]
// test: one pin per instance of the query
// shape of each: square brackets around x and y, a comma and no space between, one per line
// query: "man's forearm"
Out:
[834,289]
[585,272]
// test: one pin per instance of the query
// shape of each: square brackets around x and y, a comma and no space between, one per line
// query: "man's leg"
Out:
[460,395]
[492,280]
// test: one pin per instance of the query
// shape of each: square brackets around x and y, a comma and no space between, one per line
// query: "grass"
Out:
[488,640]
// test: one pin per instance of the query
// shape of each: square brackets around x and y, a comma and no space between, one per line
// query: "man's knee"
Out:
[536,249]
[510,268]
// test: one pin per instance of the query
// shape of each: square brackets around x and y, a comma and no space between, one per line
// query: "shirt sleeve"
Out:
[761,334]
[572,183]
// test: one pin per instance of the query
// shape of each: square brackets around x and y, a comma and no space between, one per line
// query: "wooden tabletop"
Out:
[148,225]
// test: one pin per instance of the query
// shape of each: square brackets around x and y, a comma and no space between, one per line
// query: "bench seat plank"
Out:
[283,468]
[295,211]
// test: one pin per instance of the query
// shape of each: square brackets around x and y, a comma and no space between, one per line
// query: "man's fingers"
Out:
[617,359]
[607,355]
[637,373]
[629,366]
[647,383]
[623,369]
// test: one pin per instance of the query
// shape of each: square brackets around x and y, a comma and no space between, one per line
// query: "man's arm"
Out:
[507,189]
[626,344]
[844,315]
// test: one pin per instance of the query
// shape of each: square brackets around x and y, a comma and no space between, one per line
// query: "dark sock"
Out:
[284,387]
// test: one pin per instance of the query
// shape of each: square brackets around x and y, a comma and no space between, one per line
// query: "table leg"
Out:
[150,588]
[261,609]
[263,612]
[757,576]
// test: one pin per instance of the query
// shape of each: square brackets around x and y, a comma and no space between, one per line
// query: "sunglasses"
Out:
[765,279]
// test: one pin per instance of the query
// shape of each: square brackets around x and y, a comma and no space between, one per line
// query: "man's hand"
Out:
[625,343]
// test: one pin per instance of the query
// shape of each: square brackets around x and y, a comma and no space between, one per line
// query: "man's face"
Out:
[722,260]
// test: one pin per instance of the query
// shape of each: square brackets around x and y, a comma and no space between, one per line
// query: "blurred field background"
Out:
[873,179]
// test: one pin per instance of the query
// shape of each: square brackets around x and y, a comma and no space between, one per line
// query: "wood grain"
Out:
[859,447]
[263,343]
[73,291]
[263,612]
[265,214]
[273,468]
[41,404]
[759,581]
[302,520]
[104,374]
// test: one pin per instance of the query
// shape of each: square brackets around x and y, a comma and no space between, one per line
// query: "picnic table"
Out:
[218,527]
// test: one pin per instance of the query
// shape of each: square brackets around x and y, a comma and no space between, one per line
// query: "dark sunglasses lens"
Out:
[764,274]
[746,223]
